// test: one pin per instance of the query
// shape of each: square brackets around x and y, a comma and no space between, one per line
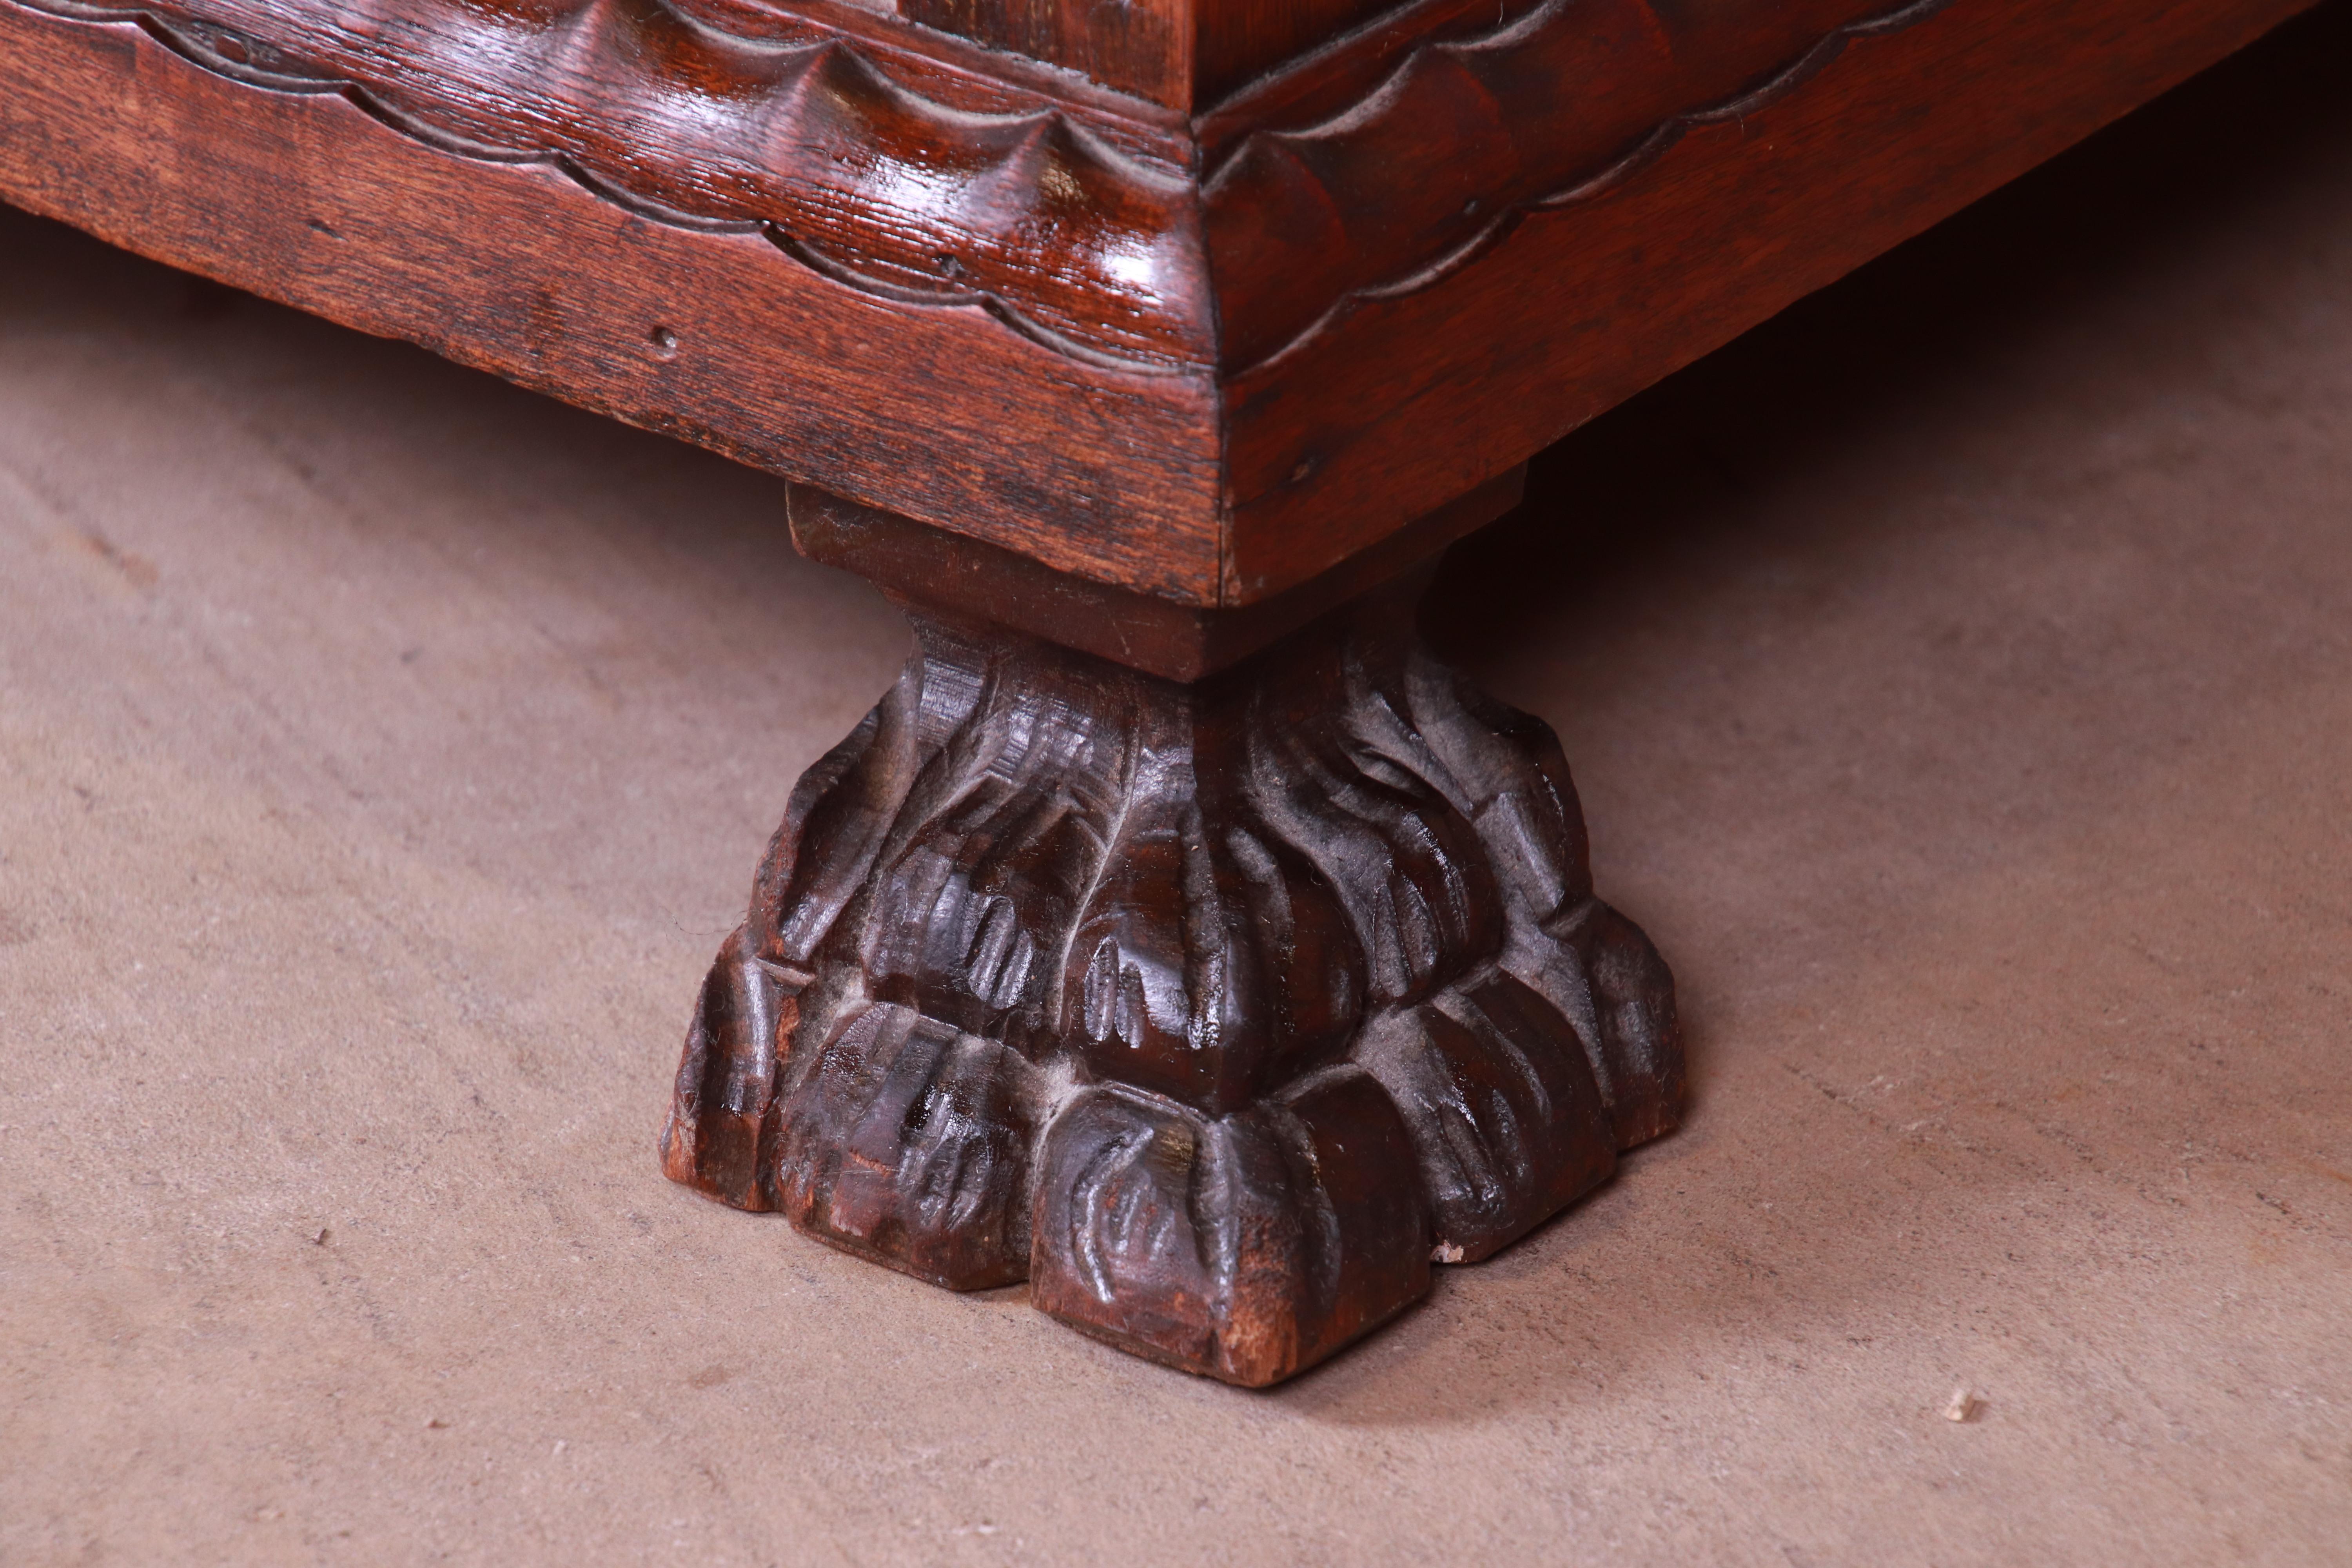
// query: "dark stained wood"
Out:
[1578,306]
[1177,935]
[891,160]
[1204,359]
[1308,203]
[1216,1010]
[1185,54]
[517,267]
[917,564]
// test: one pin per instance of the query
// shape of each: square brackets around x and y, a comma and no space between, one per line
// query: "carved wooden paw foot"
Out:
[1217,1011]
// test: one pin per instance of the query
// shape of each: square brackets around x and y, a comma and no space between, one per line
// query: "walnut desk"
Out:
[1177,935]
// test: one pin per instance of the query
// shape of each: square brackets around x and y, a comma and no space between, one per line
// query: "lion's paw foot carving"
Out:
[1217,1012]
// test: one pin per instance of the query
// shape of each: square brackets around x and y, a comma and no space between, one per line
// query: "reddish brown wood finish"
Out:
[917,564]
[1177,935]
[1186,54]
[1206,359]
[1711,229]
[518,267]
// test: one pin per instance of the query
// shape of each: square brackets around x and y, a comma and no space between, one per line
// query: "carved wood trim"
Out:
[1217,1011]
[517,270]
[1072,228]
[1457,145]
[1573,312]
[896,167]
[1364,396]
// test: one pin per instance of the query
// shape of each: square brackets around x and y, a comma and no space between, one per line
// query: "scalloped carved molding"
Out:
[1003,200]
[1464,139]
[915,178]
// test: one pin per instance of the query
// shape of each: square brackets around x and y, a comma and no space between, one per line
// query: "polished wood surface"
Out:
[1205,356]
[1716,227]
[1178,935]
[524,268]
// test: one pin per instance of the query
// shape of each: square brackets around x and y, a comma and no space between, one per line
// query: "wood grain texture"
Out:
[1183,54]
[916,564]
[520,269]
[1206,360]
[1391,191]
[921,178]
[903,175]
[1583,303]
[1217,987]
[1216,1011]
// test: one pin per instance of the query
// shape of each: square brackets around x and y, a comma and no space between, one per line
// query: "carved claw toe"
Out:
[1507,1126]
[907,1141]
[1248,1246]
[719,1138]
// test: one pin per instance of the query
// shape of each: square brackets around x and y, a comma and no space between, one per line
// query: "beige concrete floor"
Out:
[1959,675]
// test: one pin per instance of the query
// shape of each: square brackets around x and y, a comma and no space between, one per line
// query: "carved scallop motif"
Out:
[1466,137]
[1101,234]
[1022,206]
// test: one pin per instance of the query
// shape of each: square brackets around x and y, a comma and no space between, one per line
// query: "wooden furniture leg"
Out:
[1216,993]
[1176,934]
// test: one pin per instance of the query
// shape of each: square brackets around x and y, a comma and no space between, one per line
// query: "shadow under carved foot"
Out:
[1216,1011]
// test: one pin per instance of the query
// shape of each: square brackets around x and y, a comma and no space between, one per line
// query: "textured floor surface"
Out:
[1959,675]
